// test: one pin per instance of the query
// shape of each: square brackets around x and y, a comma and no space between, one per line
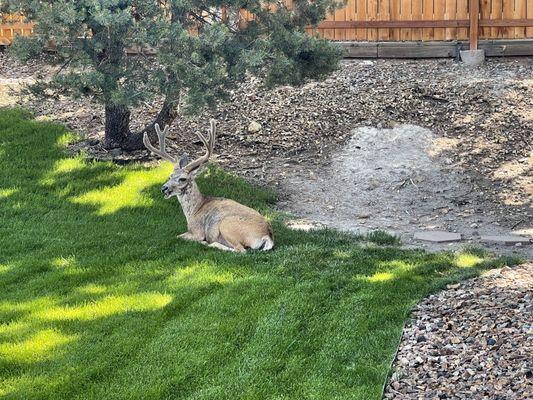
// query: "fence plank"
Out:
[340,15]
[427,14]
[350,16]
[529,15]
[496,14]
[384,15]
[451,14]
[372,15]
[508,13]
[416,10]
[406,15]
[438,12]
[484,11]
[329,33]
[462,13]
[520,13]
[362,34]
[473,10]
[395,16]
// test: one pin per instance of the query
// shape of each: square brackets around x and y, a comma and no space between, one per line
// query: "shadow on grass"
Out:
[99,299]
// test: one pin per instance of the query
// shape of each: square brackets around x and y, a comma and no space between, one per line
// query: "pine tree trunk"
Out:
[117,126]
[117,117]
[134,141]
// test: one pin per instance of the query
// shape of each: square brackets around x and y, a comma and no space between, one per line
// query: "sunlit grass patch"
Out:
[64,262]
[63,166]
[38,347]
[381,276]
[129,193]
[4,268]
[467,260]
[13,328]
[105,307]
[66,165]
[197,275]
[26,307]
[13,386]
[7,192]
[64,139]
[341,254]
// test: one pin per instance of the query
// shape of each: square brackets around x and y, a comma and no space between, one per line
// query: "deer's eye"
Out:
[182,179]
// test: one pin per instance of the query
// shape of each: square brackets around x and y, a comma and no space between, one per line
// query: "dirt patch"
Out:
[393,179]
[473,341]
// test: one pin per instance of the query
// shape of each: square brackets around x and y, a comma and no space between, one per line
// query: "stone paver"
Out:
[509,240]
[438,236]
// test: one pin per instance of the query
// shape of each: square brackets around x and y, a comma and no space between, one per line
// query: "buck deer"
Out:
[217,222]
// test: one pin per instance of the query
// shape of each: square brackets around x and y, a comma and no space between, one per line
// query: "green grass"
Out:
[100,300]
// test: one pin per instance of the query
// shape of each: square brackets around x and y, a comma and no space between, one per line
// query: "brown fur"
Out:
[229,223]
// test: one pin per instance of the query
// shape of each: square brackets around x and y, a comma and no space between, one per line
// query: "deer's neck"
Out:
[191,199]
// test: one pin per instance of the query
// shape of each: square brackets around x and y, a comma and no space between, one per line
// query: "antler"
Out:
[209,144]
[161,151]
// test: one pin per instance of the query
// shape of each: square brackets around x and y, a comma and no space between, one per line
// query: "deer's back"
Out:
[216,209]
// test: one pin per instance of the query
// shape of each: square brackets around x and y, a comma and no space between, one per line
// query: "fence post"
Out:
[474,23]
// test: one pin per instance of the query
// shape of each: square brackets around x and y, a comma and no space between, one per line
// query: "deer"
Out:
[214,221]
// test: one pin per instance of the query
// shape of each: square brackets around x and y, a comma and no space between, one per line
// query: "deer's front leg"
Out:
[191,236]
[220,246]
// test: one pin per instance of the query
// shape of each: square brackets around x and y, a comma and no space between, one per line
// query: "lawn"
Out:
[100,300]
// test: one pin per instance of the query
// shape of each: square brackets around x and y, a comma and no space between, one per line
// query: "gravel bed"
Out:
[472,341]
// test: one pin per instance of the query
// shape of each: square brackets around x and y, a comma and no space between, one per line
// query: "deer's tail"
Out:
[266,243]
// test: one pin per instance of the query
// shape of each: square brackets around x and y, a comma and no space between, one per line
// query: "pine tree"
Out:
[189,52]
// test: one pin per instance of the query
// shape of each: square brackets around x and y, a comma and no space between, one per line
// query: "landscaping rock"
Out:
[438,236]
[254,127]
[115,152]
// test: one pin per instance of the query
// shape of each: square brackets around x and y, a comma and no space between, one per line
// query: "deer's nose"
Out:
[164,189]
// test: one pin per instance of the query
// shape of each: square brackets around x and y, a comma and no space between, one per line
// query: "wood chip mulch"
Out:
[472,341]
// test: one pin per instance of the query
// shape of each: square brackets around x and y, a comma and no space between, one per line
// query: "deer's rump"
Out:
[235,225]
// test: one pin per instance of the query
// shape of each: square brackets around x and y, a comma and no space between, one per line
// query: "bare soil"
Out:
[393,179]
[399,145]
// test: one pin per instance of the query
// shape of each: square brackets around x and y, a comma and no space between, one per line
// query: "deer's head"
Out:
[184,171]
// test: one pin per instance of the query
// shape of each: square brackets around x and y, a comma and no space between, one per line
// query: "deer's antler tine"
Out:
[212,135]
[203,139]
[161,136]
[208,144]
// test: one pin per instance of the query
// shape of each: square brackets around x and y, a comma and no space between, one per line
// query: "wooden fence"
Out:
[429,20]
[12,25]
[398,20]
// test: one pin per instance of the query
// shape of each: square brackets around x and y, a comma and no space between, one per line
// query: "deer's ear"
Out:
[184,160]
